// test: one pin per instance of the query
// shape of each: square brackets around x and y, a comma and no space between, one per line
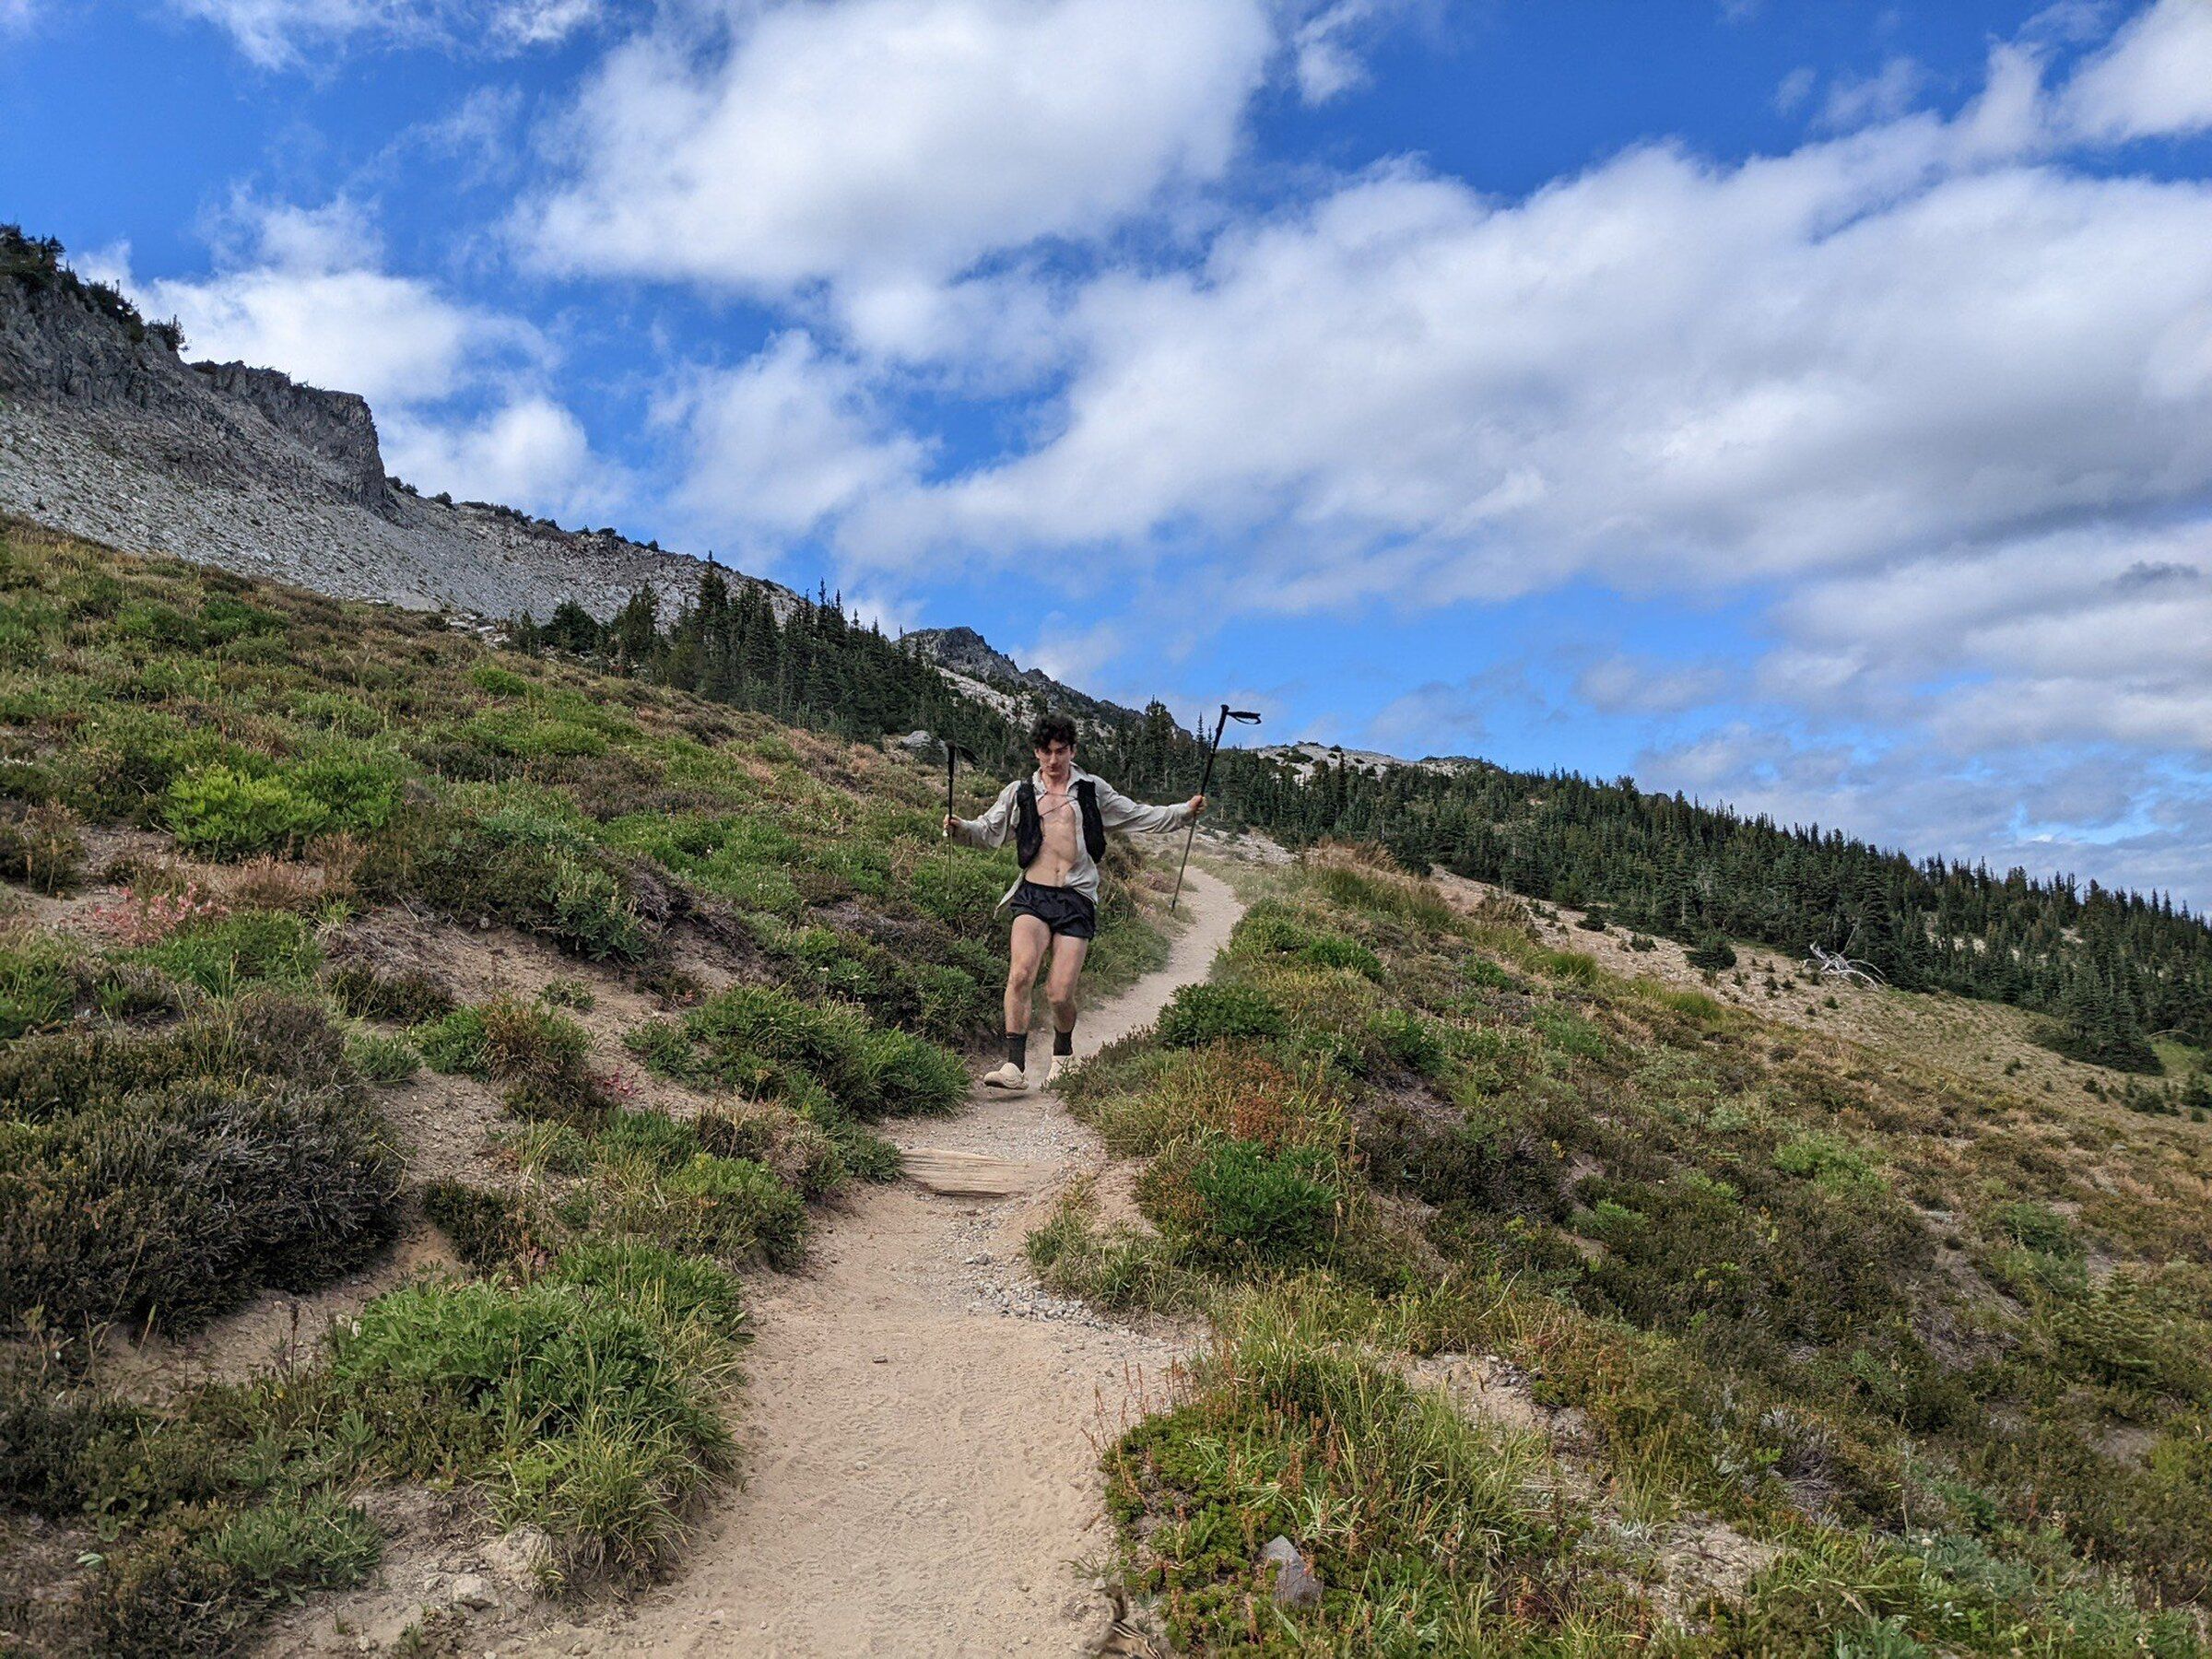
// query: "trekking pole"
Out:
[954,755]
[1243,717]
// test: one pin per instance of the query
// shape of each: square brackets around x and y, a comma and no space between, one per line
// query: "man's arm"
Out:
[1117,811]
[993,827]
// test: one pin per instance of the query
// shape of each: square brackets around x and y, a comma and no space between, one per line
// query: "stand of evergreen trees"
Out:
[2110,969]
[815,667]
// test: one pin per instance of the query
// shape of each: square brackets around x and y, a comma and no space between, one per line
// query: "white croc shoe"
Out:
[1007,1075]
[1059,1063]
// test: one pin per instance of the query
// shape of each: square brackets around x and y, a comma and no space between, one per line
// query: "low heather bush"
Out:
[766,1041]
[1199,1014]
[179,1201]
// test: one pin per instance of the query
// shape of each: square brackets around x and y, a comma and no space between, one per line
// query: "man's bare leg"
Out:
[1024,953]
[1068,956]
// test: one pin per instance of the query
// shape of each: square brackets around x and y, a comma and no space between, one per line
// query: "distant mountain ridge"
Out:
[107,431]
[967,656]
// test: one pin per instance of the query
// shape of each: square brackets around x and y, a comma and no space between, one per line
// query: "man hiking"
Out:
[1059,820]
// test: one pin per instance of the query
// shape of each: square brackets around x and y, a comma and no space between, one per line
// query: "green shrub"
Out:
[156,624]
[334,710]
[801,1151]
[521,734]
[200,1581]
[1203,1013]
[1409,1040]
[2038,1228]
[548,1148]
[224,618]
[1271,928]
[668,1287]
[38,986]
[39,847]
[498,681]
[356,787]
[2132,1332]
[732,1207]
[455,1044]
[1399,898]
[542,1055]
[408,997]
[276,1550]
[222,813]
[1269,1207]
[248,947]
[933,998]
[124,760]
[259,1034]
[1570,1033]
[533,870]
[1826,1159]
[541,1388]
[1492,1168]
[768,1042]
[652,1135]
[1412,1515]
[564,993]
[1576,967]
[383,1059]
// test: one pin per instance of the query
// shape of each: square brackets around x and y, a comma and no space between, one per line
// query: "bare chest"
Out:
[1057,816]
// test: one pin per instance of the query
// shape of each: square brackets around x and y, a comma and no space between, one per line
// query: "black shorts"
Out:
[1062,909]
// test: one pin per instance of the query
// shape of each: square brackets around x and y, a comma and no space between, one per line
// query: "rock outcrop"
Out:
[108,433]
[974,664]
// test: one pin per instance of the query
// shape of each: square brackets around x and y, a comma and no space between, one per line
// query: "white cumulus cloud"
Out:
[886,146]
[305,290]
[2154,77]
[530,450]
[1663,371]
[783,444]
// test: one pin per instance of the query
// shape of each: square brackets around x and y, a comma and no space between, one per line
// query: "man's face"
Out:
[1055,760]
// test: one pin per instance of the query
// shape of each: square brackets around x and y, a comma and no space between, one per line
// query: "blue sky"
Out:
[1804,406]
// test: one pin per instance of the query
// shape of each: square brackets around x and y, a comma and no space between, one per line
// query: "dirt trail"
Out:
[921,1472]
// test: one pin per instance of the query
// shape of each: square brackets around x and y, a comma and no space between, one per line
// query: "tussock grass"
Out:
[1429,1532]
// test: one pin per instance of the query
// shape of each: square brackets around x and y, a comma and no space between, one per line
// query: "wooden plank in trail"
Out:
[974,1174]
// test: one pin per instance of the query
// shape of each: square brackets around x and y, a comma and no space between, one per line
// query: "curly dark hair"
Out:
[1051,729]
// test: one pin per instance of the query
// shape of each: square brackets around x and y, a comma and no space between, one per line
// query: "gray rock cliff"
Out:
[107,432]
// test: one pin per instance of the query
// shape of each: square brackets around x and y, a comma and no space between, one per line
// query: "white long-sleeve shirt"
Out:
[1116,811]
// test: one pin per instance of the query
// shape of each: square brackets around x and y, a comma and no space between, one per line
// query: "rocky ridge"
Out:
[107,432]
[971,662]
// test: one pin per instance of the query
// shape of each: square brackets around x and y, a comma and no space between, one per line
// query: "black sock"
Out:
[1063,1043]
[1017,1050]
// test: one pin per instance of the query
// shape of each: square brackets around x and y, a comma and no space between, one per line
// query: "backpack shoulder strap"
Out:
[1029,828]
[1094,823]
